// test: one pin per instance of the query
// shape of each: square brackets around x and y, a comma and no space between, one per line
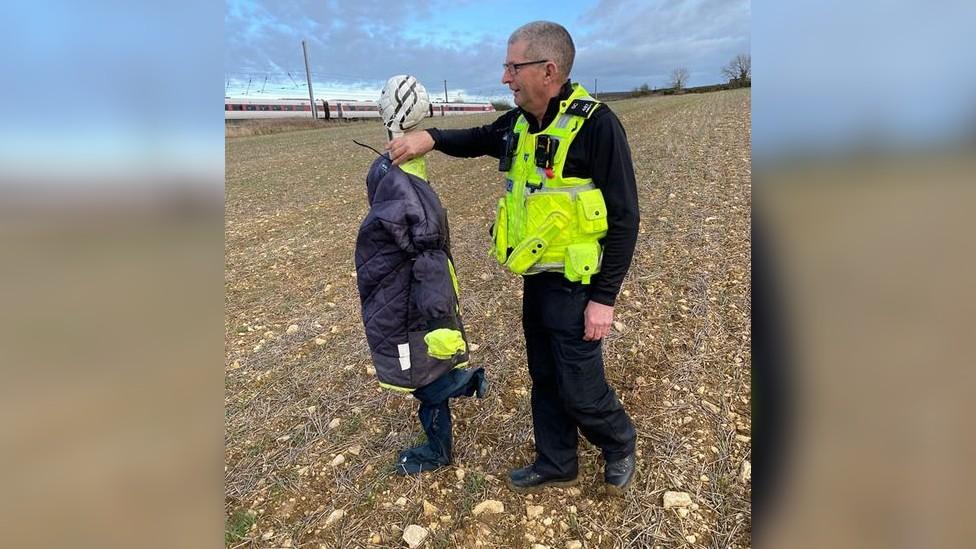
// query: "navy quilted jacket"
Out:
[404,273]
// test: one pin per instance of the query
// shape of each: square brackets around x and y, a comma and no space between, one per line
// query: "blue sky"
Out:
[895,73]
[355,46]
[140,87]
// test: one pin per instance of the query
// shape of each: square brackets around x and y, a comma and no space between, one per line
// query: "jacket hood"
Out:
[381,166]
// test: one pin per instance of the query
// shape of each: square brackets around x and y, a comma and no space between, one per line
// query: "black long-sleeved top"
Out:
[599,151]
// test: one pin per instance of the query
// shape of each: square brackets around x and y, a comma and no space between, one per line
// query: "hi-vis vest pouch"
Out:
[548,222]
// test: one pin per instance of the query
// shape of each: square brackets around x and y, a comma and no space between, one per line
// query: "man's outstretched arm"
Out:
[466,143]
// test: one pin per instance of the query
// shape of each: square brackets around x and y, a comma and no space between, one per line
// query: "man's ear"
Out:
[551,69]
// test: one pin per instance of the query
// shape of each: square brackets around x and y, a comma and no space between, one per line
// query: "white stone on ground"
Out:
[488,506]
[745,473]
[414,535]
[676,499]
[335,516]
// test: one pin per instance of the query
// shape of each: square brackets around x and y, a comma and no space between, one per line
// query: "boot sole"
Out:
[539,487]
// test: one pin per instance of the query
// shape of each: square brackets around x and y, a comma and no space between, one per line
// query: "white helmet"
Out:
[403,103]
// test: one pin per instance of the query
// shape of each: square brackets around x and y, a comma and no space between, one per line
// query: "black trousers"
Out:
[569,386]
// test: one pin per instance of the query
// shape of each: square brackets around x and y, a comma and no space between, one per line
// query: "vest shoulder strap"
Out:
[582,107]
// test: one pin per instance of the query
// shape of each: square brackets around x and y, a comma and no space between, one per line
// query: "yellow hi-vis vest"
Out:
[548,222]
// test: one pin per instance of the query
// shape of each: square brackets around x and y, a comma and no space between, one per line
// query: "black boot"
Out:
[620,474]
[419,459]
[527,479]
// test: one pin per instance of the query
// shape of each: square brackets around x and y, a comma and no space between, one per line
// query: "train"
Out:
[246,108]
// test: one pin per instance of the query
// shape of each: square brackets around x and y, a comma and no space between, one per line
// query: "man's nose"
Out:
[506,77]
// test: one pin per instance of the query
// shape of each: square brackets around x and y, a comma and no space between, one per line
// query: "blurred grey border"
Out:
[864,133]
[111,234]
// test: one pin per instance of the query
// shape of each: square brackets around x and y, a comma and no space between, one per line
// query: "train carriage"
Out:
[338,109]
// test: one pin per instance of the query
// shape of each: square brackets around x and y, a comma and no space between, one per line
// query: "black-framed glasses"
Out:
[513,68]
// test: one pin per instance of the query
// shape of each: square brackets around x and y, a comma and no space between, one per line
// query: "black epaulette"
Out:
[582,107]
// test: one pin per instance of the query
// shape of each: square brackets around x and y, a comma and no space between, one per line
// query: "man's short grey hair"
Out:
[547,40]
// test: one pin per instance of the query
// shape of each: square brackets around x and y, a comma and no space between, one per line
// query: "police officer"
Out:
[568,224]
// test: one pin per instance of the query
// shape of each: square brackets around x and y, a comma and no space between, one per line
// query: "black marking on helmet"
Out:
[400,100]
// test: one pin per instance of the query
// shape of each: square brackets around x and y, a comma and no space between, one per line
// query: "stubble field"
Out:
[299,393]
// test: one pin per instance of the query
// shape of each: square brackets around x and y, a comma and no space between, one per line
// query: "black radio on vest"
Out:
[509,143]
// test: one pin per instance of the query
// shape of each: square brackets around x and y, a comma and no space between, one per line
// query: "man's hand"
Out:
[408,146]
[597,319]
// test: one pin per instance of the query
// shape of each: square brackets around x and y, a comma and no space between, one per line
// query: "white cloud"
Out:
[624,43]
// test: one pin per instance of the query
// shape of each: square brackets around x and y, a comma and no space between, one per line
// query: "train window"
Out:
[226,107]
[252,107]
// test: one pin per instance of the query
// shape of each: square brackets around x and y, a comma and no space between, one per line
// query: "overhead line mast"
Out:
[308,76]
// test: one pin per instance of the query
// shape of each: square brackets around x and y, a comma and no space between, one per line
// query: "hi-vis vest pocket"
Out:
[591,211]
[540,205]
[530,250]
[501,232]
[582,261]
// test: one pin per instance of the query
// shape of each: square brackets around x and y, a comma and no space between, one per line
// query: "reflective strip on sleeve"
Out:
[404,350]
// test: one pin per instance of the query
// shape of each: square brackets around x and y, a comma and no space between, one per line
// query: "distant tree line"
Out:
[738,73]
